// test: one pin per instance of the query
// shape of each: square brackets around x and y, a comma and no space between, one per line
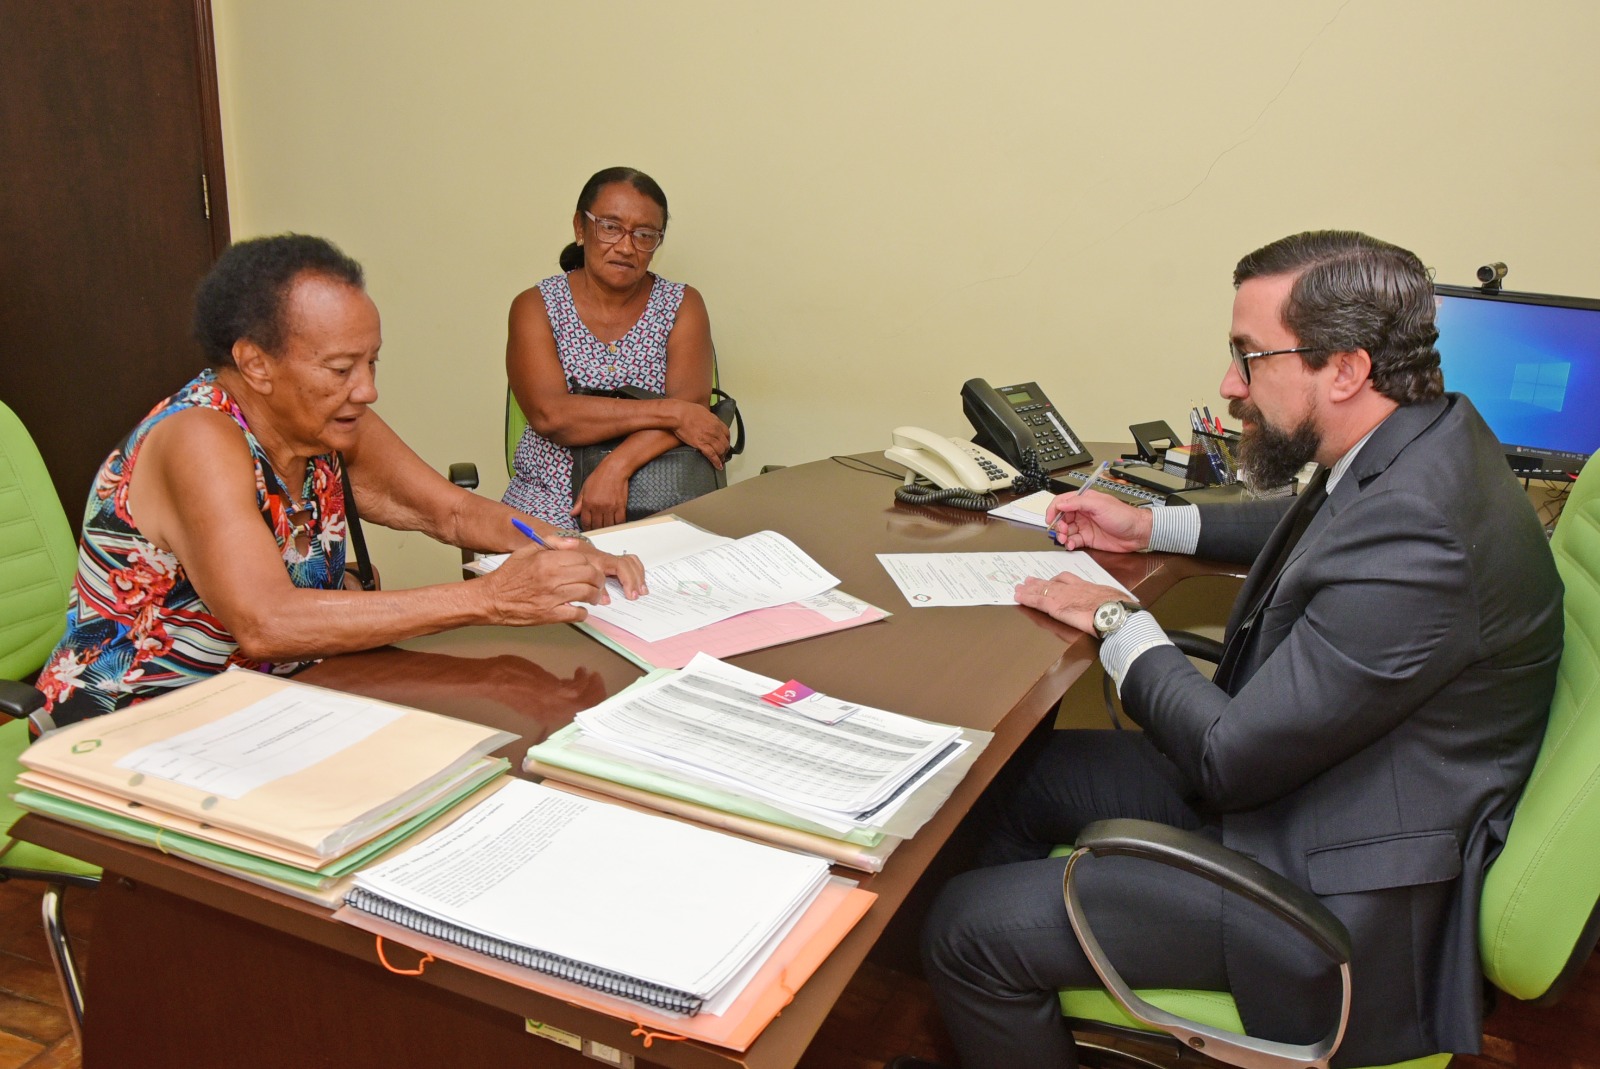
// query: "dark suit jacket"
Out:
[1388,703]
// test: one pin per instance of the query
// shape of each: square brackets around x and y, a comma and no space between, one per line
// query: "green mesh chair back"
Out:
[516,423]
[37,564]
[37,557]
[1540,894]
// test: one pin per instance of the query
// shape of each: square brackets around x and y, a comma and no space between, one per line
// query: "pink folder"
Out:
[755,630]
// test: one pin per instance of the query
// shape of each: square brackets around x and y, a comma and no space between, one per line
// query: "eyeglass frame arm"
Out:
[1235,873]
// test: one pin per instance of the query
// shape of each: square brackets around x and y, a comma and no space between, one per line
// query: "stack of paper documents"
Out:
[637,906]
[843,780]
[714,594]
[282,783]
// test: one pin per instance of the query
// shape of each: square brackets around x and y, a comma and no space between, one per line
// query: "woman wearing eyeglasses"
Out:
[605,323]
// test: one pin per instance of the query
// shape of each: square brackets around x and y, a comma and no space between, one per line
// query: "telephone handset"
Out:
[1016,418]
[950,462]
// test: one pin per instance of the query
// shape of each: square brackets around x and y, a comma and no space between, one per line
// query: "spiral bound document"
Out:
[631,904]
[612,983]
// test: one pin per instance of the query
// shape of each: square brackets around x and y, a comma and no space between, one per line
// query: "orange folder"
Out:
[829,918]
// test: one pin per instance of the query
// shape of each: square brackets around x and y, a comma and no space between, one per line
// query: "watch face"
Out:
[1109,616]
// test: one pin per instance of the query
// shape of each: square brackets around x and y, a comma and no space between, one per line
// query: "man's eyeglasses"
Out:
[609,231]
[1241,360]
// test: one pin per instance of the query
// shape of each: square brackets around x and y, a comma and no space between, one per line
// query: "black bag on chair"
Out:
[676,476]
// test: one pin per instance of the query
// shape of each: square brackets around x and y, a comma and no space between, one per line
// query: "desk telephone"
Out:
[1017,418]
[1016,426]
[950,462]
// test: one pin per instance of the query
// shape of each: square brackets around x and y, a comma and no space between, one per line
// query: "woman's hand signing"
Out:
[698,426]
[539,586]
[1094,520]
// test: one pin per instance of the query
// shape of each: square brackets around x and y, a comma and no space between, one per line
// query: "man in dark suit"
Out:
[1389,664]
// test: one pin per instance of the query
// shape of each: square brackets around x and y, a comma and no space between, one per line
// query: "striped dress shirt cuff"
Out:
[1139,634]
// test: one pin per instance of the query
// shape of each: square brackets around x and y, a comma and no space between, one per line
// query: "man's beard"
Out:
[1271,457]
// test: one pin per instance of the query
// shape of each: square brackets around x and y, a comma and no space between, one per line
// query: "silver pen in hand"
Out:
[1094,476]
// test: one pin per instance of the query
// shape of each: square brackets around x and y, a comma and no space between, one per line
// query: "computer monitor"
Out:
[1530,362]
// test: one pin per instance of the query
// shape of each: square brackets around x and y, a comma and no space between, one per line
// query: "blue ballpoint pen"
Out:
[525,529]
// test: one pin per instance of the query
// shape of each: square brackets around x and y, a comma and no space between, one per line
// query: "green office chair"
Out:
[1540,912]
[37,564]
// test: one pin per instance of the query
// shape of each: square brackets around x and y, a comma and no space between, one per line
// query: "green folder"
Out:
[557,751]
[127,829]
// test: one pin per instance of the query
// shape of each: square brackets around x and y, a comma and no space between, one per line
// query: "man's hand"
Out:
[699,427]
[538,586]
[1094,520]
[1067,598]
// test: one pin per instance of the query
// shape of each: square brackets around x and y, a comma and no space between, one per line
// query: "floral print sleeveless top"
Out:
[135,626]
[541,480]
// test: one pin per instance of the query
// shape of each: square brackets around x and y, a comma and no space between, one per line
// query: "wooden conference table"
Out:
[192,968]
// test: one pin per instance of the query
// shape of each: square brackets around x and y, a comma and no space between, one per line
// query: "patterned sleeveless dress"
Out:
[541,482]
[135,626]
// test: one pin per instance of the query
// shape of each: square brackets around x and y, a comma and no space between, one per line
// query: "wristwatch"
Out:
[1109,618]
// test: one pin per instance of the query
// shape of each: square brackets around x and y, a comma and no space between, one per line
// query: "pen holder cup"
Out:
[1212,459]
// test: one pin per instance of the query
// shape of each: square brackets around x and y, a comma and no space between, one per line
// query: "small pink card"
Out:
[788,693]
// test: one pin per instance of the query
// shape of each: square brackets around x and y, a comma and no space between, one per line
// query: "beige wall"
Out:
[880,200]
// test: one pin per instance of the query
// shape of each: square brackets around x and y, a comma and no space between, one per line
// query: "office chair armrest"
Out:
[17,700]
[1235,873]
[464,475]
[1207,649]
[1226,868]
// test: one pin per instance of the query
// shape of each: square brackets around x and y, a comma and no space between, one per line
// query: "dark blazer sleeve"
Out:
[1236,533]
[1368,622]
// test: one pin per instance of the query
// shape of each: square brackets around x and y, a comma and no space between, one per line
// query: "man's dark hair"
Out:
[1356,292]
[572,256]
[245,292]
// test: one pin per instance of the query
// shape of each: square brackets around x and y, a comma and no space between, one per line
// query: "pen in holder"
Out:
[1211,459]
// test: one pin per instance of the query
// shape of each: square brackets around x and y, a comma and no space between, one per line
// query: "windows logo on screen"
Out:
[1543,385]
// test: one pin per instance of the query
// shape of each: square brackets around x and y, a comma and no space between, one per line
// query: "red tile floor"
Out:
[34,1028]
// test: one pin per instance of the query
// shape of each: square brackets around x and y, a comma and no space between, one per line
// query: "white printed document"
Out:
[715,584]
[625,901]
[657,540]
[282,734]
[935,579]
[710,719]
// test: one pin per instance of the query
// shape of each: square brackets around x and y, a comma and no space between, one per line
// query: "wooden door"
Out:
[112,206]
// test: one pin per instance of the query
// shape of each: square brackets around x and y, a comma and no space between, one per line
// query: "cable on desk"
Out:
[924,493]
[863,466]
[1555,499]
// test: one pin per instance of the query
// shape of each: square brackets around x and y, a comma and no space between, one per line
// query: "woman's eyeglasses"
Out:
[609,231]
